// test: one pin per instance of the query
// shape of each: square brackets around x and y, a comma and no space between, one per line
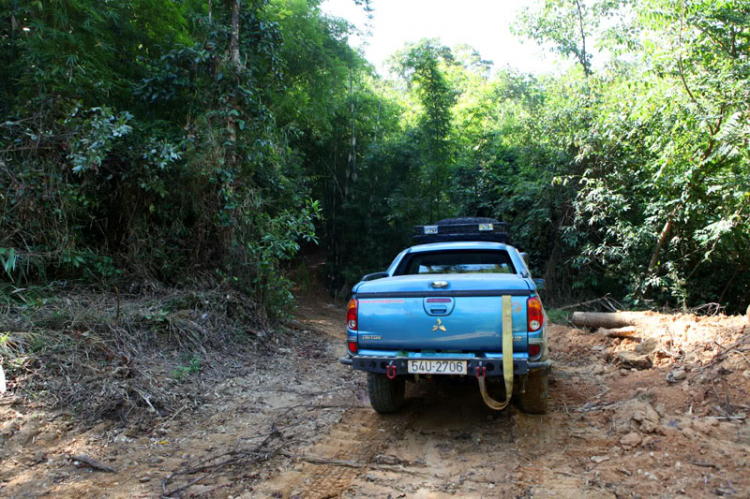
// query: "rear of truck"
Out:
[451,310]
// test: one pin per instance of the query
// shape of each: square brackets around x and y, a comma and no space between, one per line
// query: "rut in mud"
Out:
[613,431]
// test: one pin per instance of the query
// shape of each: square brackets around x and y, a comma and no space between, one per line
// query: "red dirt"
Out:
[612,431]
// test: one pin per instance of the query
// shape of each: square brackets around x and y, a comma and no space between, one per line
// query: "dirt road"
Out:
[295,423]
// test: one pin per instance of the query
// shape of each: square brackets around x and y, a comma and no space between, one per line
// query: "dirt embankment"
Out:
[292,422]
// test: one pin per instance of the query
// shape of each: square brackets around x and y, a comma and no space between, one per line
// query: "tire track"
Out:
[362,440]
[359,437]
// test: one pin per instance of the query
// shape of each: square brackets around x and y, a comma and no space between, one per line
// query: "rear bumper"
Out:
[494,366]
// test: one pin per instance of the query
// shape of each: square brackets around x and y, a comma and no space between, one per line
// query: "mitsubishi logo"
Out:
[439,326]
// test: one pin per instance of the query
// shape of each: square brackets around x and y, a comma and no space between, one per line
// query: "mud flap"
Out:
[507,360]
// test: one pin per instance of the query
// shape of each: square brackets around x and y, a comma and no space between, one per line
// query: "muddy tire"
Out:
[536,398]
[386,395]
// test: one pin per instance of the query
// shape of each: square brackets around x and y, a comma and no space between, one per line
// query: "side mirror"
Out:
[540,283]
[376,275]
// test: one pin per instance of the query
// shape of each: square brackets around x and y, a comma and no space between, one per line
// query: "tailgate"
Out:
[457,318]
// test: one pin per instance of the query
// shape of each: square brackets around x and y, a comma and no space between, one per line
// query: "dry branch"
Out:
[8,400]
[730,349]
[242,456]
[580,304]
[92,463]
[324,461]
[605,301]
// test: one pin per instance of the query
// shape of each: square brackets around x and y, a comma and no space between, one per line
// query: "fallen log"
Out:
[622,332]
[608,320]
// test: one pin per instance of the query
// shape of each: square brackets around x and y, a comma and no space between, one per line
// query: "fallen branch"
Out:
[606,389]
[174,415]
[147,398]
[731,348]
[739,352]
[703,464]
[323,461]
[92,463]
[708,308]
[583,303]
[566,473]
[256,454]
[8,400]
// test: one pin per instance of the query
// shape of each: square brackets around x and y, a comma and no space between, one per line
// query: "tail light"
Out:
[535,350]
[352,345]
[351,314]
[534,313]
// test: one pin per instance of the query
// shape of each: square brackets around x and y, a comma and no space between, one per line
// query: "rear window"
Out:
[457,262]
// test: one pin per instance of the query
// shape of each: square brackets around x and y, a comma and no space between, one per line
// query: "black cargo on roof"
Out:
[463,229]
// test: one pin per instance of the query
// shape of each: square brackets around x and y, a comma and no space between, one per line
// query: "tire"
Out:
[386,396]
[535,400]
[464,229]
[467,220]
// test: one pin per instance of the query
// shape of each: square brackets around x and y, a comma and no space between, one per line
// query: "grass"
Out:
[560,317]
[193,365]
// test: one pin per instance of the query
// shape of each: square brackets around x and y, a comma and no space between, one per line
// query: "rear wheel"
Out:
[386,395]
[535,400]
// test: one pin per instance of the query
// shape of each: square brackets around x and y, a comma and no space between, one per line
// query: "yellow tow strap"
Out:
[507,316]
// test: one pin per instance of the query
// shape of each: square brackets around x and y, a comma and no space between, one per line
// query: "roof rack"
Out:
[463,229]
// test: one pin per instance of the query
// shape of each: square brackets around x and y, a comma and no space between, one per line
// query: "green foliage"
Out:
[561,317]
[422,66]
[94,136]
[9,261]
[156,139]
[658,173]
[567,26]
[135,145]
[632,180]
[192,365]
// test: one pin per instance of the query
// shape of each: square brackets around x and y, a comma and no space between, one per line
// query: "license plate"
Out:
[437,367]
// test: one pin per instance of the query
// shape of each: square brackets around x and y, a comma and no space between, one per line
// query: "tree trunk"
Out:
[351,167]
[612,320]
[235,42]
[659,245]
[234,56]
[584,60]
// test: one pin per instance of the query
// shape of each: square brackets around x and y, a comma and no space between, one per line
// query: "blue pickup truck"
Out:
[461,305]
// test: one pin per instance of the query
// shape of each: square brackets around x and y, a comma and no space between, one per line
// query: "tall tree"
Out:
[421,66]
[567,25]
